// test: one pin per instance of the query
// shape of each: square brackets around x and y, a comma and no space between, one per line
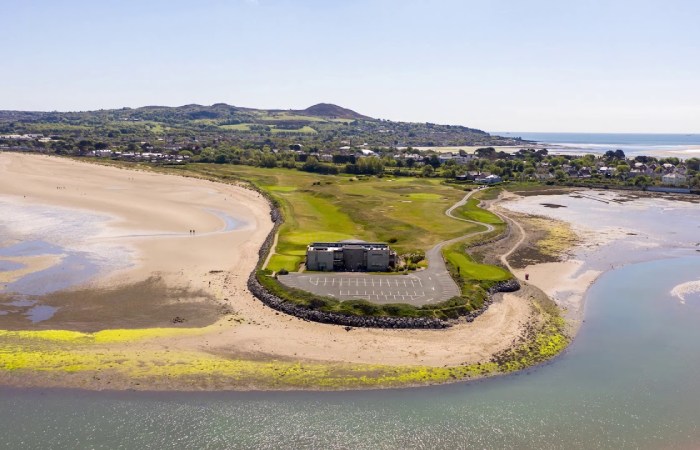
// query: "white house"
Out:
[674,179]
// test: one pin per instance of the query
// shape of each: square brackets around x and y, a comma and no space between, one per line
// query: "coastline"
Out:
[251,340]
[602,246]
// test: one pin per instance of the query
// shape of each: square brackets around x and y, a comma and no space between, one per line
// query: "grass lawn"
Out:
[156,127]
[279,262]
[470,269]
[471,211]
[236,127]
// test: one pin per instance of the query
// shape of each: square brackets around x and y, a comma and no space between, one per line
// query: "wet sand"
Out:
[598,231]
[151,216]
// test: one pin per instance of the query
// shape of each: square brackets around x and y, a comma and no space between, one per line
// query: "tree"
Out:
[221,158]
[623,169]
[617,154]
[370,166]
[313,165]
[268,160]
[642,181]
[485,152]
[84,146]
[670,160]
[695,181]
[449,173]
[434,161]
[427,170]
[693,164]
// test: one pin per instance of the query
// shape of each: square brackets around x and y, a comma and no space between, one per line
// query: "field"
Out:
[284,116]
[273,129]
[304,130]
[236,127]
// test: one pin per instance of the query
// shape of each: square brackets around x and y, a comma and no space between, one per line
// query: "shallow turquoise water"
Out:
[630,380]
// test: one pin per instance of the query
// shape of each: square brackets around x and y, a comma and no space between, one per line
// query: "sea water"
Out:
[73,236]
[629,380]
[633,144]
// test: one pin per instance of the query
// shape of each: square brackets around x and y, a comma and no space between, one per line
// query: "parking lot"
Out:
[415,289]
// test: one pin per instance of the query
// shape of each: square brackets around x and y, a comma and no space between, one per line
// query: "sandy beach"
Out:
[153,214]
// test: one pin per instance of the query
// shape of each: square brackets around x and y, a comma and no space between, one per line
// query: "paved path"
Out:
[431,285]
[436,262]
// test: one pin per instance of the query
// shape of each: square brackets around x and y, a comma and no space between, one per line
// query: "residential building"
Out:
[674,179]
[351,256]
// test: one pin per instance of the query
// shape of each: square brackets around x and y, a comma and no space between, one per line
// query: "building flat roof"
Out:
[340,245]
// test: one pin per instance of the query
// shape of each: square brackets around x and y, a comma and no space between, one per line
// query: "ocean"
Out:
[661,145]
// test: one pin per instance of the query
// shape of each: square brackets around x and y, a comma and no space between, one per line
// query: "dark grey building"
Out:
[352,256]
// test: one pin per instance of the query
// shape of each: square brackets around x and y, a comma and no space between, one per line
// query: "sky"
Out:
[496,65]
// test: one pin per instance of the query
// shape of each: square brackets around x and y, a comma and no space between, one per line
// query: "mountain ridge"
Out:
[318,125]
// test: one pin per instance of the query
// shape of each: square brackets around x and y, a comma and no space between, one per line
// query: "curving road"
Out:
[436,263]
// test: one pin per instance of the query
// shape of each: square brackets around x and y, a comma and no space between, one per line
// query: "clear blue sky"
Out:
[535,65]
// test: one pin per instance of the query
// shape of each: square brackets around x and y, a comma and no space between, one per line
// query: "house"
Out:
[490,179]
[444,157]
[101,153]
[674,179]
[468,176]
[606,171]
